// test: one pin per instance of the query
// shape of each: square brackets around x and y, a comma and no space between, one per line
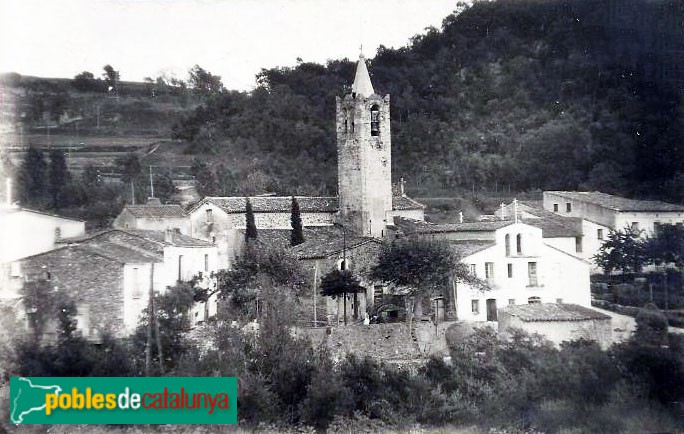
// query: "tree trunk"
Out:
[345,308]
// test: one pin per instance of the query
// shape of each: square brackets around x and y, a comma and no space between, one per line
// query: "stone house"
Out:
[109,275]
[221,220]
[331,250]
[558,322]
[153,216]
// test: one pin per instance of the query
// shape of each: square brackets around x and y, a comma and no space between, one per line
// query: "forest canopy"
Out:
[521,94]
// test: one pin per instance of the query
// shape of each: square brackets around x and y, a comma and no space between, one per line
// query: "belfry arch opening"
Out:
[375,120]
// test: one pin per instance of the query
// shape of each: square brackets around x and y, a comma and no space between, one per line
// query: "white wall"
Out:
[25,233]
[559,275]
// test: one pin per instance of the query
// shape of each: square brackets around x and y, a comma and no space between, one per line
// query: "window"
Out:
[489,270]
[473,269]
[508,244]
[532,273]
[213,239]
[475,307]
[599,234]
[511,301]
[135,278]
[180,267]
[518,244]
[210,216]
[343,264]
[555,207]
[534,300]
[510,270]
[578,244]
[568,207]
[206,263]
[375,121]
[657,226]
[635,226]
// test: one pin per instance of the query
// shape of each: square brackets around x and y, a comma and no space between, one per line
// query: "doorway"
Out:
[491,310]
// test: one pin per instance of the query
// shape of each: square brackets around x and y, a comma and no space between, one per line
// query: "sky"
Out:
[230,38]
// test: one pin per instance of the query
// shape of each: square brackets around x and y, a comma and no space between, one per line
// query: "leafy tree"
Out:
[130,168]
[171,314]
[206,181]
[297,232]
[421,266]
[33,177]
[86,82]
[111,77]
[58,176]
[256,269]
[666,246]
[339,283]
[251,229]
[205,83]
[624,250]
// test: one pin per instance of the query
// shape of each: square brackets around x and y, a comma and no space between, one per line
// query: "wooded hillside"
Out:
[521,94]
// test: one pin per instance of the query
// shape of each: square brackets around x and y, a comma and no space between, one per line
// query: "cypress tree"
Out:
[33,177]
[251,231]
[297,232]
[58,176]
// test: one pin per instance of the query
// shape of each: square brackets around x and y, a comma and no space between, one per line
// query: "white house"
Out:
[25,232]
[109,275]
[515,261]
[603,212]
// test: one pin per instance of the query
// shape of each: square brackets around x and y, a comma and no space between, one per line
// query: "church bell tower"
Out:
[364,165]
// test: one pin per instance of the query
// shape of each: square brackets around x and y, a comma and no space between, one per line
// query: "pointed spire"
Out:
[362,83]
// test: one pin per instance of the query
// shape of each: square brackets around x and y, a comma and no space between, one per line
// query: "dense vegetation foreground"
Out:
[285,383]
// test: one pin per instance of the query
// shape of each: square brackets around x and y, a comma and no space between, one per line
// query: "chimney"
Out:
[401,186]
[168,235]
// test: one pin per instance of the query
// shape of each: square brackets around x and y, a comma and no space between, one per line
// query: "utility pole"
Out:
[151,183]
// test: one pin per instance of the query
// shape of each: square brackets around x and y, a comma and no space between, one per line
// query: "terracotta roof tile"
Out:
[156,211]
[553,312]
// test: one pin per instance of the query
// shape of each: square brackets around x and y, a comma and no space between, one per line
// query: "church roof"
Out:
[284,204]
[238,204]
[156,211]
[362,83]
[326,241]
[465,248]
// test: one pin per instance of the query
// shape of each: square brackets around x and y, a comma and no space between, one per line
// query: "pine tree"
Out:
[251,231]
[58,176]
[297,232]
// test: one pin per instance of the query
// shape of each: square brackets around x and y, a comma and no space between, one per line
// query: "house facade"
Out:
[153,216]
[110,275]
[514,260]
[558,322]
[603,212]
[26,232]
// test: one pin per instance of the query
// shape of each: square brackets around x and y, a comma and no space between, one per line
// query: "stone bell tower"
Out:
[364,165]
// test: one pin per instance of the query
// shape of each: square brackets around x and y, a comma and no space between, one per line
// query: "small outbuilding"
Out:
[558,322]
